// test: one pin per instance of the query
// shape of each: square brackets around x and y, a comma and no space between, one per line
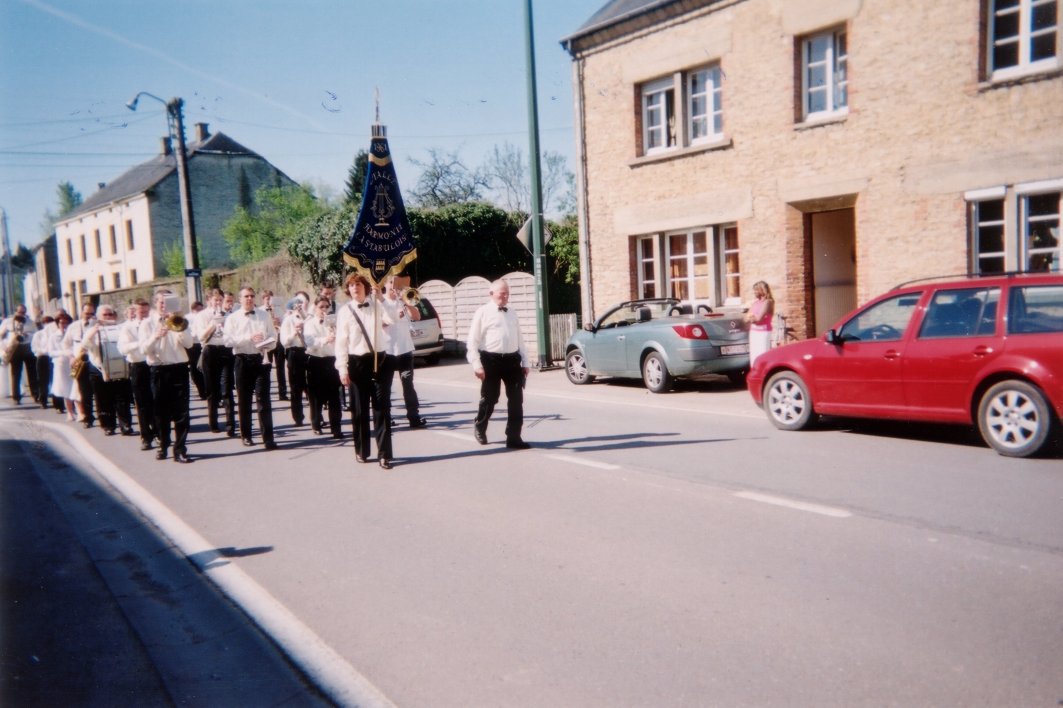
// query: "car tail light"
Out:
[691,331]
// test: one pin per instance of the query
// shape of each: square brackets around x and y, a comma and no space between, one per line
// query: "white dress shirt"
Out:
[316,332]
[290,338]
[167,349]
[75,334]
[203,321]
[242,325]
[401,337]
[351,341]
[129,342]
[497,331]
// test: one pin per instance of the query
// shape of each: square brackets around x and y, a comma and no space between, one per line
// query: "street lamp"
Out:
[175,121]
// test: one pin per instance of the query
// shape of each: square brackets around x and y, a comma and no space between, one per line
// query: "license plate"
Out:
[734,349]
[416,332]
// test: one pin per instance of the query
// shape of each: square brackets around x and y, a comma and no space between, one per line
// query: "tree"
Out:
[317,243]
[472,238]
[509,177]
[173,259]
[446,180]
[263,230]
[69,200]
[356,177]
[564,249]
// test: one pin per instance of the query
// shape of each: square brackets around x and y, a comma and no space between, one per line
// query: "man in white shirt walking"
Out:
[496,352]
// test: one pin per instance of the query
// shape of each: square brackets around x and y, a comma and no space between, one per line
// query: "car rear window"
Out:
[970,312]
[1035,309]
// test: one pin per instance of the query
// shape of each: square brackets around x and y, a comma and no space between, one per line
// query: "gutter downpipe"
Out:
[582,215]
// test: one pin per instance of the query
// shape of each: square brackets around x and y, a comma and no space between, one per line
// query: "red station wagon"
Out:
[984,350]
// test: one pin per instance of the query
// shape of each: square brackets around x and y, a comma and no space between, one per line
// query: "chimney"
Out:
[201,132]
[101,185]
[165,143]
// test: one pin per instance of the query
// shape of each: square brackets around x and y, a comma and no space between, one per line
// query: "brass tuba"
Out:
[175,322]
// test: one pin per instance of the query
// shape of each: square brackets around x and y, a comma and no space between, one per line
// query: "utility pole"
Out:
[175,122]
[9,285]
[542,310]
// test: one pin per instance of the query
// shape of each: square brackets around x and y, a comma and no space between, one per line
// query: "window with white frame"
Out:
[69,252]
[704,105]
[114,240]
[824,75]
[987,225]
[646,263]
[1040,214]
[688,266]
[658,116]
[1016,227]
[1022,37]
[696,265]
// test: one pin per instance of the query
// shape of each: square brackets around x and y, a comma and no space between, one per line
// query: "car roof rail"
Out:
[969,276]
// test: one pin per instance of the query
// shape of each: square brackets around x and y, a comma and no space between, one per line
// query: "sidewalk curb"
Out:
[329,671]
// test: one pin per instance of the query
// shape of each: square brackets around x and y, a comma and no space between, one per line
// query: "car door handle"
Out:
[891,354]
[982,350]
[620,338]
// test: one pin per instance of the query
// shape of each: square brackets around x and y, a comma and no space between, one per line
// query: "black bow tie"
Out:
[249,313]
[503,309]
[364,304]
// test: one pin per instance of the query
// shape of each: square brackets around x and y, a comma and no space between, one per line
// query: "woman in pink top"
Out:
[759,317]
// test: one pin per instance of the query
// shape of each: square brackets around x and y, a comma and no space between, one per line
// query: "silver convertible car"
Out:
[657,341]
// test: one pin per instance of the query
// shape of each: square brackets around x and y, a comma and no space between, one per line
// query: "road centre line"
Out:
[326,668]
[794,504]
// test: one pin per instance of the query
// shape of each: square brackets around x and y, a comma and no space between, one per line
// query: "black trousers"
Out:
[218,381]
[140,382]
[85,390]
[44,379]
[23,358]
[297,362]
[277,357]
[502,369]
[113,404]
[194,352]
[323,389]
[371,392]
[252,380]
[169,391]
[404,365]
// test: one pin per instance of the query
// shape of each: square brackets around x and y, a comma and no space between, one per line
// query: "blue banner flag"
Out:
[381,243]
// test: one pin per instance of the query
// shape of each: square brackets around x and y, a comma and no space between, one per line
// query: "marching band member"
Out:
[497,354]
[64,387]
[139,372]
[43,362]
[165,346]
[250,333]
[15,335]
[276,355]
[109,373]
[402,350]
[195,369]
[362,357]
[74,341]
[217,360]
[294,345]
[323,381]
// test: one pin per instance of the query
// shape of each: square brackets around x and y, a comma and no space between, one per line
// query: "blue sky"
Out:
[293,81]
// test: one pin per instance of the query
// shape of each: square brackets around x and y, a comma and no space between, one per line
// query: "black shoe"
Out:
[181,457]
[214,429]
[300,423]
[230,433]
[108,432]
[86,424]
[480,435]
[517,444]
[270,445]
[337,436]
[359,458]
[418,423]
[145,445]
[161,454]
[282,398]
[128,432]
[317,431]
[385,463]
[248,442]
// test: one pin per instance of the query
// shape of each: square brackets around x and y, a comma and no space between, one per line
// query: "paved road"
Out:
[652,550]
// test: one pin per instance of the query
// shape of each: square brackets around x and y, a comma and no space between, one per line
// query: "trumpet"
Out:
[175,322]
[411,297]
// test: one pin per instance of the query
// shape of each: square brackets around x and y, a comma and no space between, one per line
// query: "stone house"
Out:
[833,148]
[119,236]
